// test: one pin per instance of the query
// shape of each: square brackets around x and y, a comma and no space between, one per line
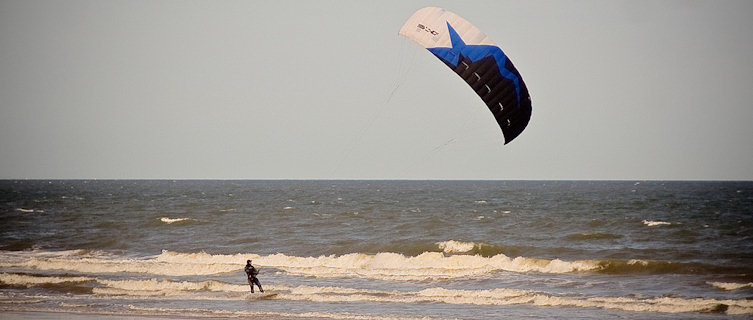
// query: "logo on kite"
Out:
[423,27]
[480,62]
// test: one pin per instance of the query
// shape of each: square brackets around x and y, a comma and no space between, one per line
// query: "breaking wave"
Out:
[24,210]
[97,262]
[503,296]
[387,265]
[174,220]
[218,290]
[28,280]
[453,246]
[729,286]
[474,248]
[655,223]
[381,266]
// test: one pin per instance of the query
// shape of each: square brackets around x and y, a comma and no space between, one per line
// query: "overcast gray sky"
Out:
[328,90]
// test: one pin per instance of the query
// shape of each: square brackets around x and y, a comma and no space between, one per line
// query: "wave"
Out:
[24,210]
[593,236]
[516,296]
[66,284]
[28,280]
[453,246]
[95,262]
[380,266]
[386,265]
[163,288]
[476,248]
[638,266]
[729,286]
[425,266]
[503,296]
[655,223]
[174,220]
[218,290]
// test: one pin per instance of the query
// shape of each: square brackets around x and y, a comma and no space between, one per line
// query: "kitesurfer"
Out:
[251,272]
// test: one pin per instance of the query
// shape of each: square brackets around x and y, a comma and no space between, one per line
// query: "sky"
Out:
[621,90]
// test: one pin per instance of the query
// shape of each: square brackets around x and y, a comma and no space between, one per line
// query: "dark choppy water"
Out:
[362,249]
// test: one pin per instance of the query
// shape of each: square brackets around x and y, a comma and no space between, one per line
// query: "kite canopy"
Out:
[476,59]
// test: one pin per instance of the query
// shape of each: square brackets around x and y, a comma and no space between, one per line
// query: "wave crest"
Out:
[730,286]
[27,280]
[384,266]
[169,220]
[655,223]
[453,246]
[426,266]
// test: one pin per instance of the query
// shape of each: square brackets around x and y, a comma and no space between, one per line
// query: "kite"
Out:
[478,61]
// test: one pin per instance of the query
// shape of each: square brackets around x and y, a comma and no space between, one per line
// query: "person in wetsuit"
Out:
[251,272]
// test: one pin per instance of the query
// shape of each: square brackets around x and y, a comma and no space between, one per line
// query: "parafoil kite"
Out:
[476,59]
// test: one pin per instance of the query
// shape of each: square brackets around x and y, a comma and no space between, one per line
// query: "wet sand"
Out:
[31,315]
[74,316]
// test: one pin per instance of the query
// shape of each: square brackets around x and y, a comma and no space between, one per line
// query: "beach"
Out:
[159,249]
[72,316]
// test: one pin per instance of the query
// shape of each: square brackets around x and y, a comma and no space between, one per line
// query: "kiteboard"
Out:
[266,295]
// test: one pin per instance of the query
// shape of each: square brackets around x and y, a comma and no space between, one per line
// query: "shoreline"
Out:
[70,315]
[50,315]
[10,314]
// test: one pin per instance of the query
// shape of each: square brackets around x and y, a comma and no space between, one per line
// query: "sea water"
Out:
[379,249]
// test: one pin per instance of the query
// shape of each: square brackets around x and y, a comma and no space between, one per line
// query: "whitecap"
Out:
[27,280]
[655,223]
[729,286]
[382,266]
[173,220]
[637,262]
[453,246]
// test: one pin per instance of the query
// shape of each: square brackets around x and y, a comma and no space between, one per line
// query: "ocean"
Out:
[377,249]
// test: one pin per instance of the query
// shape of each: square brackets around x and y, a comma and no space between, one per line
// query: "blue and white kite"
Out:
[476,59]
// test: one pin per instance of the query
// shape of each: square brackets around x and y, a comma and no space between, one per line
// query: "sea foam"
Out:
[498,296]
[97,262]
[218,290]
[28,281]
[729,286]
[503,296]
[385,266]
[164,288]
[174,220]
[453,246]
[655,223]
[243,314]
[381,266]
[426,266]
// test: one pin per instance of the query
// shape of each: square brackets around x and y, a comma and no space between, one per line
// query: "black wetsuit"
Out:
[251,272]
